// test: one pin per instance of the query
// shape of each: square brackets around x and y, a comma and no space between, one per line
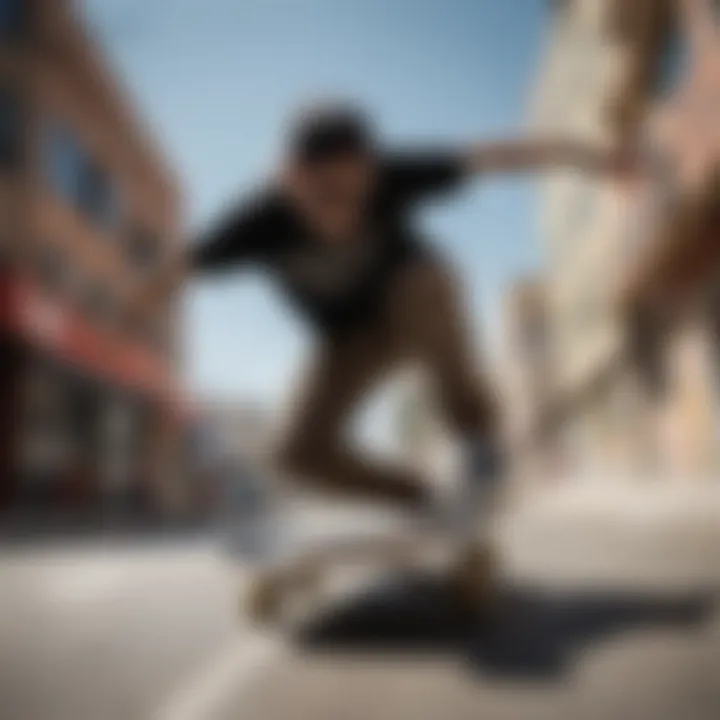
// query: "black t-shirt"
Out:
[336,287]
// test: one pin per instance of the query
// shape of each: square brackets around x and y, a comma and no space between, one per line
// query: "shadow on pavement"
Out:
[532,634]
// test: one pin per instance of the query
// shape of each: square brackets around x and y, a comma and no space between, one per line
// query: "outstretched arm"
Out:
[240,236]
[536,154]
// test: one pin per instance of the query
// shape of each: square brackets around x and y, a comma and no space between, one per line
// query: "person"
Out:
[334,229]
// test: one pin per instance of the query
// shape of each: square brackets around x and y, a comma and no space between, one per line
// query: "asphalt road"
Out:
[603,616]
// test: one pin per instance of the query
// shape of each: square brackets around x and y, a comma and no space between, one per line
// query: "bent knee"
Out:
[472,411]
[426,300]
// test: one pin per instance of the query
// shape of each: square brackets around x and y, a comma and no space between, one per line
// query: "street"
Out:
[604,615]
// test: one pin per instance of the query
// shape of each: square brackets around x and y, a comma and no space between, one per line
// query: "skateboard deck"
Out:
[299,571]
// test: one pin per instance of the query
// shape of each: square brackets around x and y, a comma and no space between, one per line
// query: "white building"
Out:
[583,223]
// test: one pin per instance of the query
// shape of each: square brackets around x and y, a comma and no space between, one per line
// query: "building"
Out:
[234,440]
[645,69]
[87,207]
[236,432]
[527,378]
[670,287]
[582,223]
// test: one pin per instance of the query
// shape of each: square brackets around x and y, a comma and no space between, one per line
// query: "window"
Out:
[63,163]
[98,198]
[11,129]
[78,179]
[12,16]
[672,62]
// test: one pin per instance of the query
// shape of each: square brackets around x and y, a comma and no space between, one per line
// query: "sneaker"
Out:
[476,496]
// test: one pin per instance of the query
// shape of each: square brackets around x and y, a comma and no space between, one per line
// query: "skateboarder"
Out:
[334,230]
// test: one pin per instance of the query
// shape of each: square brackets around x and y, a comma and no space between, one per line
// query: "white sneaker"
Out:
[474,498]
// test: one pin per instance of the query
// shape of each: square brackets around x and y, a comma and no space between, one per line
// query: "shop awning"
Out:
[48,325]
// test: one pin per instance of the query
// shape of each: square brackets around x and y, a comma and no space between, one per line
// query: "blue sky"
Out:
[217,79]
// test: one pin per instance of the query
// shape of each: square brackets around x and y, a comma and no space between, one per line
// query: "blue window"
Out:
[672,63]
[78,179]
[99,197]
[12,15]
[11,129]
[63,163]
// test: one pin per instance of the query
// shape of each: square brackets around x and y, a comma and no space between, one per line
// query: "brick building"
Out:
[87,205]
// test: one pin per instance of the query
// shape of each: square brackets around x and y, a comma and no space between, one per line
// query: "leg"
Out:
[427,308]
[317,450]
[427,314]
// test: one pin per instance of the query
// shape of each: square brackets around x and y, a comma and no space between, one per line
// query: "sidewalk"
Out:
[633,499]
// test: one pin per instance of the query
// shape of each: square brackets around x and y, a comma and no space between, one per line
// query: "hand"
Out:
[635,161]
[624,162]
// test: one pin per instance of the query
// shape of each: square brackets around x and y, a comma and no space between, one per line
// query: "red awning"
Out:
[49,325]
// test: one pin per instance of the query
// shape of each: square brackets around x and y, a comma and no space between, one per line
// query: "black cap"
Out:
[326,131]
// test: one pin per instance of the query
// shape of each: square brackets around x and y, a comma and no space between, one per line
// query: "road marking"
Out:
[83,586]
[223,677]
[77,580]
[82,583]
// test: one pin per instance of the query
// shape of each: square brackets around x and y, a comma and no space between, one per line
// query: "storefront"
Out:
[89,415]
[81,438]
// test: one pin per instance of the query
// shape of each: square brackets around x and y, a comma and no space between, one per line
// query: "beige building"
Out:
[582,223]
[527,372]
[611,68]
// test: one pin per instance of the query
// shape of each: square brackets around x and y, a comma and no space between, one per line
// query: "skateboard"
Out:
[301,577]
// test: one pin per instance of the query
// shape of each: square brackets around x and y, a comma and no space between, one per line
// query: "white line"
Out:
[84,587]
[221,678]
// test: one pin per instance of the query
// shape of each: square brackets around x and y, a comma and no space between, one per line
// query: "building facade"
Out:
[87,207]
[526,379]
[670,287]
[622,359]
[582,225]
